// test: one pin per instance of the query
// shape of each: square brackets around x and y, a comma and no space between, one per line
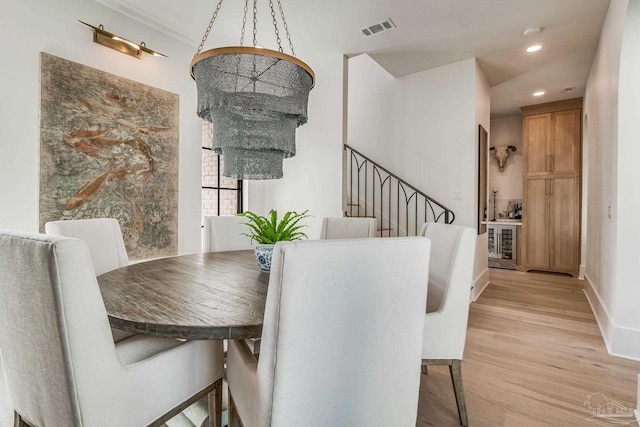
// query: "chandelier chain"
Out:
[255,23]
[206,33]
[275,25]
[286,29]
[244,21]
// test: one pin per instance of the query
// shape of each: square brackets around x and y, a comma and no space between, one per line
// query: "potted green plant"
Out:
[266,231]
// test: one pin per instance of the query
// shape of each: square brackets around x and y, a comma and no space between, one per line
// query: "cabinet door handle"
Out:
[548,163]
[553,161]
[548,187]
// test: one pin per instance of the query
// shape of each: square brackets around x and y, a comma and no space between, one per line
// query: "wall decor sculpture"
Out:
[109,148]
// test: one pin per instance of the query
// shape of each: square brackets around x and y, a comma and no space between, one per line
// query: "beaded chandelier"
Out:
[255,98]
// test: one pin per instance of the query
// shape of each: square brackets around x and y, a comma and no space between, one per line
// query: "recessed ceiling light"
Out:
[531,31]
[534,48]
[538,93]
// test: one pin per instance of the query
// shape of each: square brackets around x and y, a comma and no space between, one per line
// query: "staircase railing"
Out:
[373,191]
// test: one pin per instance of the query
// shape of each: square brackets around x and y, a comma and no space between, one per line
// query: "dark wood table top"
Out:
[202,296]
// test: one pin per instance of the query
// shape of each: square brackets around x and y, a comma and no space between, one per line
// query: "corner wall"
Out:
[424,128]
[627,298]
[420,125]
[483,117]
[612,101]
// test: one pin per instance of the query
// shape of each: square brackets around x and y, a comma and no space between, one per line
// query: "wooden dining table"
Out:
[218,295]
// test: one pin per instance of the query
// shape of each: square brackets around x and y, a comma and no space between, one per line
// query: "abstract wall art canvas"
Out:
[109,148]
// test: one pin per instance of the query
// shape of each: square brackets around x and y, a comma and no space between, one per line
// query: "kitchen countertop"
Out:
[504,221]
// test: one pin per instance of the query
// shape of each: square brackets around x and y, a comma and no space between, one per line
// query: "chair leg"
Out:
[215,405]
[233,416]
[455,369]
[18,421]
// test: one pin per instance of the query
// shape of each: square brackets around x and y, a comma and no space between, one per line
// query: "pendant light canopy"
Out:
[255,98]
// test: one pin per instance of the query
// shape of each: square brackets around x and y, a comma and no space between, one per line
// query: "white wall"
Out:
[611,106]
[436,135]
[423,125]
[424,128]
[600,108]
[506,131]
[313,178]
[31,26]
[627,297]
[371,95]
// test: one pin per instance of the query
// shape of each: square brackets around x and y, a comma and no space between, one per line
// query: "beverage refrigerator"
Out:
[502,246]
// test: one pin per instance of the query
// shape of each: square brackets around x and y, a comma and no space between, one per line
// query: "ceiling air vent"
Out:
[568,89]
[379,27]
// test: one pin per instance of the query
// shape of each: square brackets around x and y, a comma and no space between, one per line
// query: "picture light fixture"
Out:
[120,44]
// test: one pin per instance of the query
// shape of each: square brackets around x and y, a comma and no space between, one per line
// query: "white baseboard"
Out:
[479,284]
[619,341]
[599,311]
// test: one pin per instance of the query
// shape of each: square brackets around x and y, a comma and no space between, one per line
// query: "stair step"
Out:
[197,415]
[180,420]
[198,411]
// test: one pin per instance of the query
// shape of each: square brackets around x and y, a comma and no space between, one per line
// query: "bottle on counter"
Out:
[517,213]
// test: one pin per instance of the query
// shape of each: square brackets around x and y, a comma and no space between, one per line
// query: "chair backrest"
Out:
[50,311]
[103,237]
[224,233]
[348,227]
[450,281]
[342,335]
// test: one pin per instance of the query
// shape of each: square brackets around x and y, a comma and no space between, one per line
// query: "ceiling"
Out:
[429,33]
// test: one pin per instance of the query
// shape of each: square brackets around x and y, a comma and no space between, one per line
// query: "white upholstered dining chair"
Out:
[103,237]
[62,367]
[224,233]
[450,281]
[348,227]
[342,336]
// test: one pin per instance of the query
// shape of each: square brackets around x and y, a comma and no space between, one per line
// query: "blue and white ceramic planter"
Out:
[263,256]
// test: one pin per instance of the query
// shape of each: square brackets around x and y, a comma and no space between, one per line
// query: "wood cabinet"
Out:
[552,139]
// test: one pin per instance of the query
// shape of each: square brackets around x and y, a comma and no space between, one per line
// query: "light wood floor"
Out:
[533,355]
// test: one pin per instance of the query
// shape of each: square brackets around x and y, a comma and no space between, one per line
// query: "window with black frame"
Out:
[220,195]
